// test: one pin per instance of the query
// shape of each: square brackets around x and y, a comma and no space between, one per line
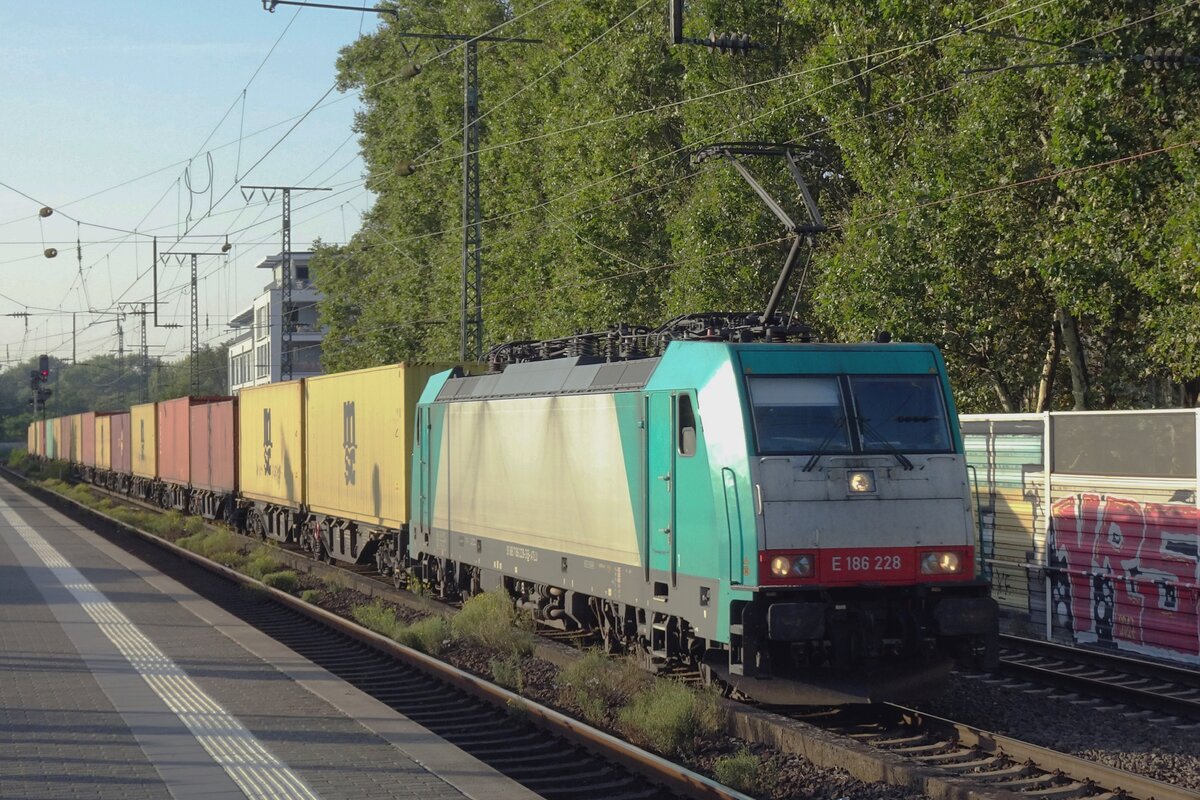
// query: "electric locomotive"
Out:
[794,519]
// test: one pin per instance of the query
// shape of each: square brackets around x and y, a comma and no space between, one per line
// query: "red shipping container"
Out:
[87,438]
[214,445]
[121,446]
[174,439]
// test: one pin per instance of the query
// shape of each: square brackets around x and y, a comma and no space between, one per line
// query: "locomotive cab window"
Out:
[905,413]
[849,414]
[799,415]
[686,418]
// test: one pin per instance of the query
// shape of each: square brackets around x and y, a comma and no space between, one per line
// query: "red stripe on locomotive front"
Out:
[853,566]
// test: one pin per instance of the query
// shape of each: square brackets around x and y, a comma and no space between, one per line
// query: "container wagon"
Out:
[143,420]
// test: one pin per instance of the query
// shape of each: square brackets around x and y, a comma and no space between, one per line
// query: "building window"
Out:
[262,320]
[263,360]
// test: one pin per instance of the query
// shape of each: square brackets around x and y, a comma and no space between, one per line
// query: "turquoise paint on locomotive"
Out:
[793,518]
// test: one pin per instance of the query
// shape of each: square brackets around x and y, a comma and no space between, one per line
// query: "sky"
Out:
[129,115]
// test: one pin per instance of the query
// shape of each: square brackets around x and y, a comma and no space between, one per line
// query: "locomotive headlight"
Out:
[861,482]
[794,566]
[940,563]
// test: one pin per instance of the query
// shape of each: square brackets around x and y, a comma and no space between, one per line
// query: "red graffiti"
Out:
[1128,572]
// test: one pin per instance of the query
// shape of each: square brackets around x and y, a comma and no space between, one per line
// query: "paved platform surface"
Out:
[117,682]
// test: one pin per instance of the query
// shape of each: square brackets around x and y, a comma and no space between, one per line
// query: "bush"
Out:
[598,685]
[18,459]
[489,619]
[312,596]
[379,618]
[429,635]
[742,771]
[261,562]
[669,717]
[284,580]
[506,672]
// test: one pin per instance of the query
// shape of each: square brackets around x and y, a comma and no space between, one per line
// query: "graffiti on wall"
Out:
[1124,573]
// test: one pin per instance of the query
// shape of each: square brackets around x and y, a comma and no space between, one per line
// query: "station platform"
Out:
[118,682]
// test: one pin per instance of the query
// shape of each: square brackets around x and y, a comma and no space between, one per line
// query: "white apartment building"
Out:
[256,355]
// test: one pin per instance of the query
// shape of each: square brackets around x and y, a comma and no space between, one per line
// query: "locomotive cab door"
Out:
[423,478]
[660,489]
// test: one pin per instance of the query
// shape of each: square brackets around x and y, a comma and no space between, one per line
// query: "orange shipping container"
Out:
[213,429]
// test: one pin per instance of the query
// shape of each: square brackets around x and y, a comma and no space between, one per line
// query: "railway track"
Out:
[939,757]
[963,761]
[1158,688]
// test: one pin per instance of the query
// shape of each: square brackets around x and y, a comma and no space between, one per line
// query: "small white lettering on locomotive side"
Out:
[837,564]
[523,553]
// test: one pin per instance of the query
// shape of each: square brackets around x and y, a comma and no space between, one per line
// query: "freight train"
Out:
[792,519]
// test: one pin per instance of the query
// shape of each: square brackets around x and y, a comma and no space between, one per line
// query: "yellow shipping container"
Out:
[360,429]
[30,438]
[103,441]
[143,421]
[77,438]
[271,446]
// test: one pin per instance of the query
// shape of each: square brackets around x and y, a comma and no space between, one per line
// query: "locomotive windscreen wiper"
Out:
[820,451]
[891,448]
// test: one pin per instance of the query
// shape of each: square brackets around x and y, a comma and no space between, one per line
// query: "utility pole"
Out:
[145,358]
[194,366]
[471,297]
[121,356]
[74,358]
[139,310]
[285,255]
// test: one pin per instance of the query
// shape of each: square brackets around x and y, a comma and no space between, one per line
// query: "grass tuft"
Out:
[491,620]
[669,717]
[284,580]
[260,562]
[429,635]
[312,596]
[597,685]
[744,772]
[507,673]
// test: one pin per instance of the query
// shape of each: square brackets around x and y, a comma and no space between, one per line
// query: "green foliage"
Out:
[312,596]
[284,580]
[964,209]
[489,619]
[669,717]
[744,772]
[506,672]
[261,561]
[428,635]
[217,545]
[378,617]
[599,685]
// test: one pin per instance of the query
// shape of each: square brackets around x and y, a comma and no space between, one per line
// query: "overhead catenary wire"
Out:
[894,212]
[876,112]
